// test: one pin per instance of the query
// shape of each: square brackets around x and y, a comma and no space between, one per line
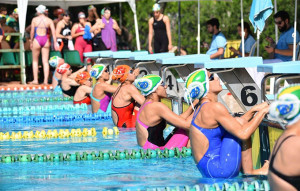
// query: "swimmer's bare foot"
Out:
[45,84]
[263,170]
[33,83]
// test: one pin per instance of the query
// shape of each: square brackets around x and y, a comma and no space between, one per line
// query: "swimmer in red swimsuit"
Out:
[126,98]
[82,93]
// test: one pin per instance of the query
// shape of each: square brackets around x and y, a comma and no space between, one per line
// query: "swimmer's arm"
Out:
[136,95]
[164,112]
[243,132]
[110,79]
[87,89]
[74,74]
[168,28]
[150,35]
[52,27]
[58,30]
[189,111]
[96,26]
[72,82]
[109,88]
[249,114]
[32,31]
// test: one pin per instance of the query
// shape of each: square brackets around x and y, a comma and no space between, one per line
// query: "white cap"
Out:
[41,9]
[81,15]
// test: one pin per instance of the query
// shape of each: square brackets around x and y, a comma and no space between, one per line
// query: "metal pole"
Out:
[198,36]
[243,33]
[276,28]
[136,32]
[295,32]
[179,27]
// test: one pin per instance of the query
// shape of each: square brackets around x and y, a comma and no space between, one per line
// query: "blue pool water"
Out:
[92,175]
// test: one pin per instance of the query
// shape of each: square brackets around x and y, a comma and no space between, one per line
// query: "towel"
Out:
[259,13]
[87,34]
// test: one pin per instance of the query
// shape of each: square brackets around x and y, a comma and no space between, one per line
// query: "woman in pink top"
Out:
[78,31]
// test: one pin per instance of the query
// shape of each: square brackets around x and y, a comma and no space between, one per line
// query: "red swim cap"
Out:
[62,67]
[121,72]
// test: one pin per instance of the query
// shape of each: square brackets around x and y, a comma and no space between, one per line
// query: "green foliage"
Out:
[228,13]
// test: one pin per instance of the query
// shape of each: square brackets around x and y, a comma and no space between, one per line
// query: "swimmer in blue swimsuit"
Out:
[221,144]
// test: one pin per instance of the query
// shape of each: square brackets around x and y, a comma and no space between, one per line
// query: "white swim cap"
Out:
[41,9]
[156,7]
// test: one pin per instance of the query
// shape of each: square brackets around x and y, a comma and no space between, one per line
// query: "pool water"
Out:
[92,175]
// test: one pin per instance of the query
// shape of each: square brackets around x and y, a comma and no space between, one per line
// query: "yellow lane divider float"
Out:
[57,133]
[107,131]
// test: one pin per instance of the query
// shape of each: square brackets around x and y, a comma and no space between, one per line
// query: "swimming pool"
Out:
[95,174]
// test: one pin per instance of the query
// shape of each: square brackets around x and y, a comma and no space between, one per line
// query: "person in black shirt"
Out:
[160,24]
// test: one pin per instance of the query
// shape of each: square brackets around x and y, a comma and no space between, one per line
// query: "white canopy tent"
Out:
[22,8]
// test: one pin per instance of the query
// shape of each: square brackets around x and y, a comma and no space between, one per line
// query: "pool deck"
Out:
[15,85]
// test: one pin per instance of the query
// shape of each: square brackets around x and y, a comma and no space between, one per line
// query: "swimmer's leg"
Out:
[247,163]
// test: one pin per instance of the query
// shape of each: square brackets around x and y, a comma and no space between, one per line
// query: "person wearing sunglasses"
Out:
[68,84]
[220,143]
[153,117]
[103,89]
[127,98]
[283,50]
[82,94]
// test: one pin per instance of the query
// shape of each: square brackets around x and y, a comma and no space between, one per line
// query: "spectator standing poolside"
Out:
[160,24]
[40,42]
[218,43]
[283,50]
[109,30]
[59,13]
[248,43]
[92,15]
[63,33]
[81,32]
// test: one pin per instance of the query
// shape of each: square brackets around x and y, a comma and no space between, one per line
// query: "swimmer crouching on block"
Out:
[220,143]
[127,98]
[153,117]
[102,90]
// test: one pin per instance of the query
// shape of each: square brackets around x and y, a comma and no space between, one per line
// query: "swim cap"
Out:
[41,9]
[90,7]
[97,70]
[60,11]
[82,77]
[286,104]
[55,60]
[156,7]
[148,84]
[104,9]
[16,11]
[63,68]
[196,85]
[81,15]
[121,72]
